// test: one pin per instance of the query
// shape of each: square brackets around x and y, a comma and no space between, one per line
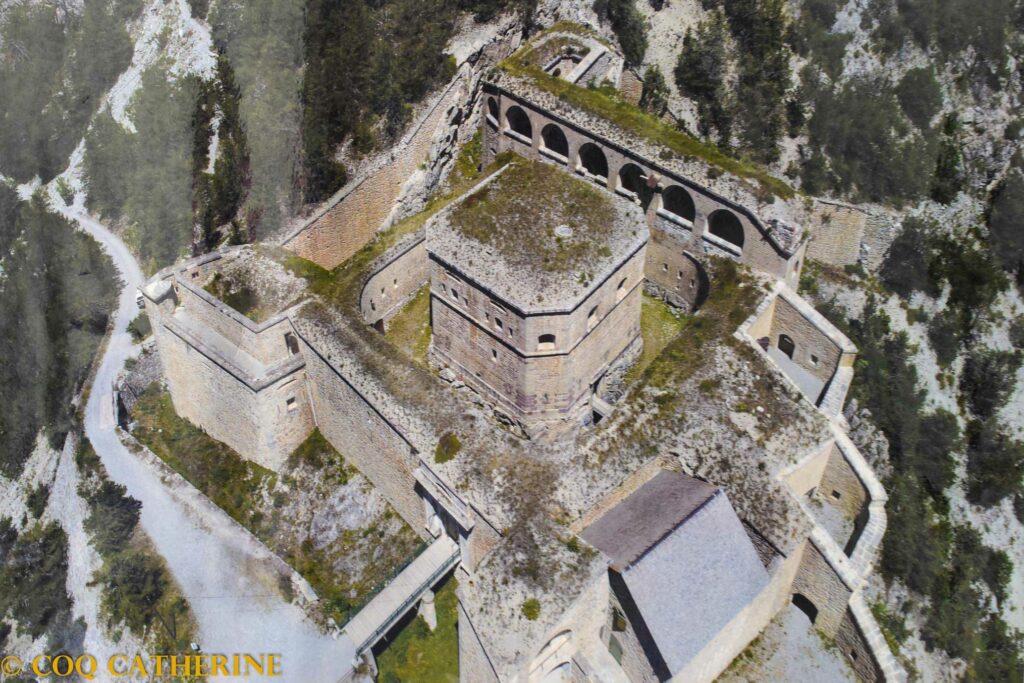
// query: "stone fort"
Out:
[535,278]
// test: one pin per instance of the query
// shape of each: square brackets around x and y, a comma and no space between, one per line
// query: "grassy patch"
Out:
[212,467]
[318,453]
[517,214]
[447,448]
[531,608]
[659,324]
[419,654]
[410,329]
[607,103]
[240,296]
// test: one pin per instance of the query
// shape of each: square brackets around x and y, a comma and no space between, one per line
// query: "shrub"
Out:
[33,579]
[112,518]
[700,75]
[939,439]
[949,171]
[906,266]
[140,328]
[447,448]
[1016,332]
[628,24]
[531,608]
[989,378]
[1004,218]
[944,336]
[654,98]
[920,96]
[133,586]
[995,463]
[37,499]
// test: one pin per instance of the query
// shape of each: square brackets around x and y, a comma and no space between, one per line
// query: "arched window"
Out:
[553,140]
[492,111]
[677,204]
[726,225]
[519,122]
[631,179]
[546,342]
[593,161]
[786,345]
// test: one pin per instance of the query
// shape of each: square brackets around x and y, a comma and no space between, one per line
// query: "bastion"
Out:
[535,281]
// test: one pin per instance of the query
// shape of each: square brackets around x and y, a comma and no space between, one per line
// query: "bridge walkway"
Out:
[392,603]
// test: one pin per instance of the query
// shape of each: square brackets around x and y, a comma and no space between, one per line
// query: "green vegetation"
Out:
[606,103]
[410,329]
[894,626]
[1004,224]
[922,546]
[318,453]
[37,499]
[218,195]
[137,589]
[58,291]
[213,468]
[654,96]
[659,325]
[628,25]
[517,214]
[144,179]
[237,294]
[33,580]
[263,41]
[419,654]
[701,72]
[140,327]
[919,96]
[447,448]
[531,608]
[57,63]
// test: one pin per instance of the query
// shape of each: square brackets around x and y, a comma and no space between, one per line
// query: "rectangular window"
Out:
[292,405]
[494,355]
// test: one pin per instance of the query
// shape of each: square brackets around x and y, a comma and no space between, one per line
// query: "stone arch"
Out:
[631,179]
[724,224]
[492,109]
[804,604]
[546,342]
[593,161]
[678,203]
[518,121]
[787,345]
[554,140]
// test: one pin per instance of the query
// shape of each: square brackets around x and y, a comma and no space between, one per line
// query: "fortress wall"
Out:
[839,233]
[819,583]
[474,664]
[841,487]
[807,474]
[733,638]
[810,340]
[260,425]
[676,275]
[859,655]
[757,251]
[395,282]
[351,217]
[264,342]
[364,437]
[493,361]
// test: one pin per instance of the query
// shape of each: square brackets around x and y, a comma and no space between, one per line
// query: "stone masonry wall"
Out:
[757,250]
[353,215]
[400,276]
[819,583]
[364,438]
[854,645]
[264,426]
[810,342]
[677,276]
[841,487]
[839,233]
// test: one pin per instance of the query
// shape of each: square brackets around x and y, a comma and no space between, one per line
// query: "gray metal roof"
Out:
[646,516]
[685,558]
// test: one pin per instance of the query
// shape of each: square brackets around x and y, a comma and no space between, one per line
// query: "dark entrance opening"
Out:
[786,345]
[806,606]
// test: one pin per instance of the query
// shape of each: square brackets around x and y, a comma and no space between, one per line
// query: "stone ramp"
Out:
[404,591]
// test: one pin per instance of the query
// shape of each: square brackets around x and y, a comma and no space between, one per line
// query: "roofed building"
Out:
[535,281]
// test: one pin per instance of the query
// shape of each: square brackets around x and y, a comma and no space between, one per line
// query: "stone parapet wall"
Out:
[350,218]
[395,280]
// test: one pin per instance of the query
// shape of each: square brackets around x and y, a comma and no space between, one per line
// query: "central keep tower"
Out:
[535,282]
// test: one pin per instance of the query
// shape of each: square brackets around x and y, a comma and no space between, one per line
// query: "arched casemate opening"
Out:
[593,161]
[519,122]
[492,111]
[726,225]
[546,342]
[632,181]
[786,345]
[553,140]
[677,205]
[803,603]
